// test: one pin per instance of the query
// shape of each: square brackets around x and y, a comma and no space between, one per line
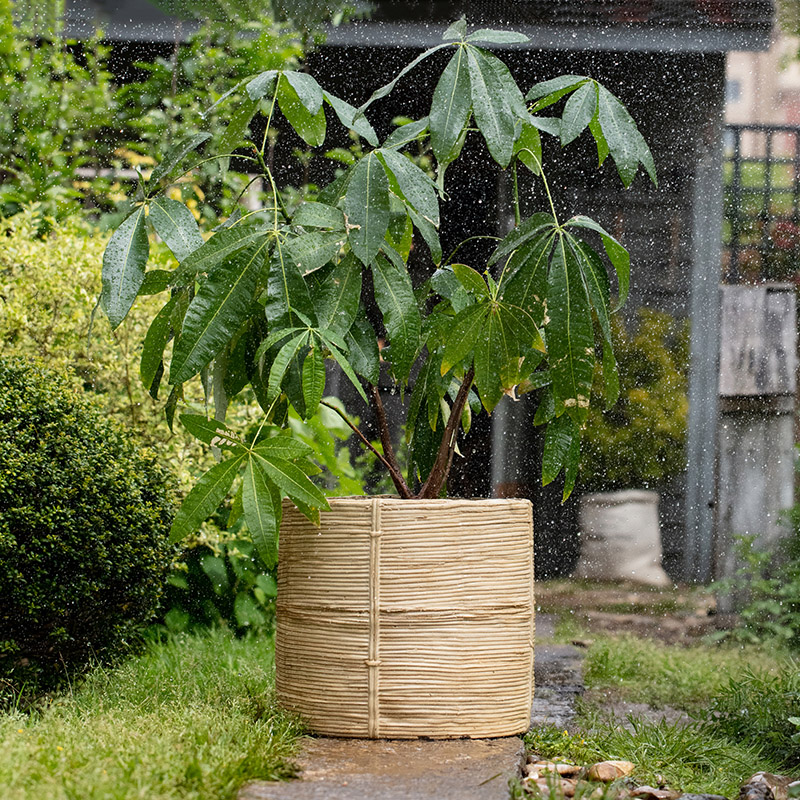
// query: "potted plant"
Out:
[400,616]
[633,451]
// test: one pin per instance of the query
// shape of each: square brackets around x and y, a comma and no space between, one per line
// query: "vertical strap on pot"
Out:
[373,664]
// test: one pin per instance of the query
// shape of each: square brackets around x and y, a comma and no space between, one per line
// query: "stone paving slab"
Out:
[354,769]
[419,769]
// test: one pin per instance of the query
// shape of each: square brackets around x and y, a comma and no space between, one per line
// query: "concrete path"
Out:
[456,769]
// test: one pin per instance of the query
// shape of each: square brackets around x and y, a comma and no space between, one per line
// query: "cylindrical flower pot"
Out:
[621,537]
[407,618]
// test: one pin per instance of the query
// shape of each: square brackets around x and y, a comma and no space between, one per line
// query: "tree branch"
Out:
[397,478]
[444,457]
[386,439]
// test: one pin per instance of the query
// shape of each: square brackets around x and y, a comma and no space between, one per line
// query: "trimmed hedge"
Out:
[84,521]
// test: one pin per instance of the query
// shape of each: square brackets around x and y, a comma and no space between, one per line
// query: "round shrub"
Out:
[84,521]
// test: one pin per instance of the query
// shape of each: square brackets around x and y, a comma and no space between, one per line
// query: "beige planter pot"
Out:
[621,537]
[404,618]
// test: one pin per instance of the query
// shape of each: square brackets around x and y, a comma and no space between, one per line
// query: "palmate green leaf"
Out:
[262,85]
[313,250]
[175,156]
[212,432]
[524,279]
[416,188]
[174,223]
[261,506]
[451,107]
[283,446]
[237,126]
[282,361]
[466,328]
[367,207]
[561,451]
[528,147]
[384,90]
[216,250]
[407,133]
[205,496]
[600,140]
[471,280]
[155,281]
[292,481]
[497,37]
[429,234]
[512,92]
[394,294]
[492,350]
[219,308]
[313,380]
[158,334]
[617,254]
[458,30]
[489,105]
[342,361]
[570,335]
[362,344]
[529,228]
[626,145]
[579,111]
[306,88]
[351,118]
[310,127]
[553,90]
[124,263]
[318,215]
[286,288]
[337,298]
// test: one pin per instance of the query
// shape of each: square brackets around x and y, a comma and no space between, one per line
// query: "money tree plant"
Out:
[266,299]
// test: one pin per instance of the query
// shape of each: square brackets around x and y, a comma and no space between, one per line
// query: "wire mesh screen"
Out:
[761,227]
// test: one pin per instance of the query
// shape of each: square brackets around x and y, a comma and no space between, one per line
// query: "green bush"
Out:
[761,710]
[640,442]
[84,516]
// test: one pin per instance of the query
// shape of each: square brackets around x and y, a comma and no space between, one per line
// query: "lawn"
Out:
[192,718]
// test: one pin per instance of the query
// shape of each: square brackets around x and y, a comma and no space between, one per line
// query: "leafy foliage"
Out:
[640,442]
[84,516]
[270,297]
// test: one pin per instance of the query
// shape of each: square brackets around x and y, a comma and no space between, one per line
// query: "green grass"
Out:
[192,718]
[644,671]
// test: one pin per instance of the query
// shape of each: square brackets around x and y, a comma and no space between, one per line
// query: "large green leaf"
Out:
[528,147]
[216,250]
[351,118]
[205,496]
[394,294]
[492,352]
[318,215]
[416,187]
[470,280]
[174,223]
[310,127]
[262,85]
[561,450]
[617,254]
[451,107]
[306,88]
[284,447]
[337,298]
[212,432]
[286,288]
[158,334]
[313,250]
[570,334]
[313,380]
[282,361]
[553,90]
[466,328]
[217,311]
[124,262]
[362,344]
[406,133]
[524,280]
[367,208]
[497,37]
[578,112]
[291,480]
[237,126]
[494,117]
[528,229]
[261,505]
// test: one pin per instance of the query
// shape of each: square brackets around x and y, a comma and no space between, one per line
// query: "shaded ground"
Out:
[675,615]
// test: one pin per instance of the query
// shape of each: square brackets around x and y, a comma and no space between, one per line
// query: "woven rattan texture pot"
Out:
[403,618]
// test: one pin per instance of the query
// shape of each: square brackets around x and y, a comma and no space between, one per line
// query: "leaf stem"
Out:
[397,478]
[469,239]
[444,457]
[516,193]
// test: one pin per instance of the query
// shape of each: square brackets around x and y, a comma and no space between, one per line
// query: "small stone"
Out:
[779,784]
[756,790]
[651,793]
[607,771]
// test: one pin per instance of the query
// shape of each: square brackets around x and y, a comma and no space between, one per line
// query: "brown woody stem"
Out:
[386,441]
[397,478]
[444,457]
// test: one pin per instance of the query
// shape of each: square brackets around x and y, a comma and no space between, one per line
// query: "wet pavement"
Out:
[467,769]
